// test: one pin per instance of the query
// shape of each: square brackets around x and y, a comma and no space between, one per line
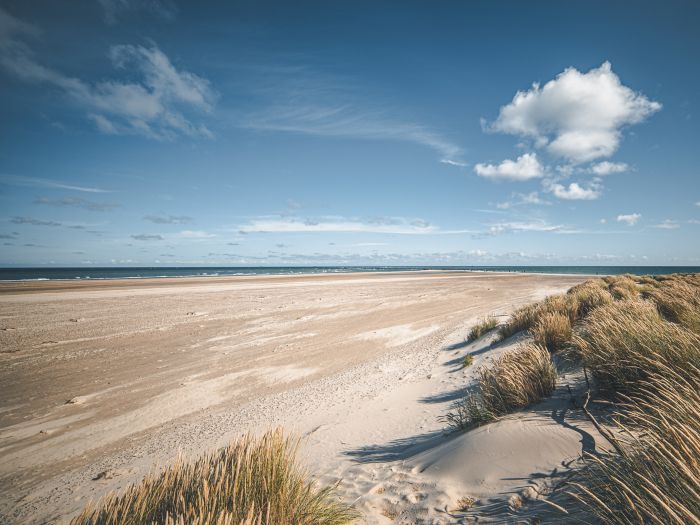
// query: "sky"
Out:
[168,133]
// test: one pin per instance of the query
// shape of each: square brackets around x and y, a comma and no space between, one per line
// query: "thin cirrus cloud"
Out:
[77,202]
[576,116]
[19,180]
[299,99]
[398,226]
[147,237]
[667,224]
[168,219]
[630,219]
[114,10]
[156,106]
[525,167]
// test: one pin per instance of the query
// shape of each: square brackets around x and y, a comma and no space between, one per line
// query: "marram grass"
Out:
[482,327]
[250,482]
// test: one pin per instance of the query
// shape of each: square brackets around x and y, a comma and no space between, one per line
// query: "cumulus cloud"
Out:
[524,167]
[153,102]
[607,168]
[575,191]
[577,116]
[631,219]
[168,219]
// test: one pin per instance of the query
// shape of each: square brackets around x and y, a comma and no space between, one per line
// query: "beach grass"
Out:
[250,482]
[482,327]
[657,479]
[639,337]
[517,379]
[552,331]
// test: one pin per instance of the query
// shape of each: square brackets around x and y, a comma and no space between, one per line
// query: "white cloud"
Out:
[19,180]
[196,234]
[575,191]
[298,99]
[524,167]
[153,106]
[606,168]
[513,227]
[577,116]
[523,199]
[631,219]
[668,224]
[342,225]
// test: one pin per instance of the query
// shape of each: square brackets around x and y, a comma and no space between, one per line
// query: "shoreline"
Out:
[11,287]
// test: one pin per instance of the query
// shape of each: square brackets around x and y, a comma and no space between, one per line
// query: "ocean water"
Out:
[30,274]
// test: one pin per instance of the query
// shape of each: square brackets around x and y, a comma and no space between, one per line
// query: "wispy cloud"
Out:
[302,100]
[630,219]
[77,202]
[668,224]
[34,222]
[147,237]
[168,219]
[153,106]
[196,234]
[19,180]
[398,226]
[114,10]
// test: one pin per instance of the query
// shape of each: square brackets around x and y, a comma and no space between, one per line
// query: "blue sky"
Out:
[295,133]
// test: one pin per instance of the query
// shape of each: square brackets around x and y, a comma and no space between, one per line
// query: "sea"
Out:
[55,273]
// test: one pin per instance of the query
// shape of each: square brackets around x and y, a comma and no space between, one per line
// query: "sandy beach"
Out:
[103,381]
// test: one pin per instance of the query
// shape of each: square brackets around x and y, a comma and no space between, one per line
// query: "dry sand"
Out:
[102,381]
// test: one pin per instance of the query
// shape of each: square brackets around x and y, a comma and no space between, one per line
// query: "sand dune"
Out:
[103,381]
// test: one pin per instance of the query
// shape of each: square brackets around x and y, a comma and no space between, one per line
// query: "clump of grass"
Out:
[250,482]
[678,300]
[553,331]
[657,479]
[517,379]
[590,295]
[521,319]
[468,412]
[482,327]
[624,343]
[467,361]
[623,287]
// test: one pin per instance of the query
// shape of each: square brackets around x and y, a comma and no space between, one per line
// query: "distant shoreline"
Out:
[35,274]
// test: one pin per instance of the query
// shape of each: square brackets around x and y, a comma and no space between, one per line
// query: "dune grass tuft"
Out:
[552,331]
[657,480]
[624,343]
[250,482]
[482,327]
[517,379]
[467,361]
